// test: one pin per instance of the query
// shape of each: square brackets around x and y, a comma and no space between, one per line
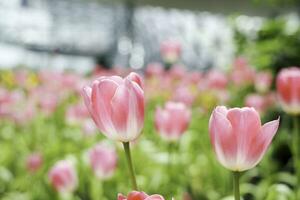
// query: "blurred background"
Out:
[199,53]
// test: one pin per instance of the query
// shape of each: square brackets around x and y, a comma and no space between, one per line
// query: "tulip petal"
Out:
[136,78]
[102,93]
[155,197]
[246,126]
[137,195]
[222,138]
[260,145]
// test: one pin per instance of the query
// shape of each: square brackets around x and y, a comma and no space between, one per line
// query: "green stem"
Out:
[130,166]
[296,143]
[236,185]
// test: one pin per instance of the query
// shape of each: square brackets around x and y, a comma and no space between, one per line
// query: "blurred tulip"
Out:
[184,95]
[170,51]
[172,121]
[154,69]
[139,196]
[263,81]
[238,138]
[288,89]
[257,101]
[103,160]
[216,80]
[34,161]
[63,176]
[88,127]
[117,106]
[76,113]
[242,74]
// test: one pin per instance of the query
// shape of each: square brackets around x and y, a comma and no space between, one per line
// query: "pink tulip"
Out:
[288,89]
[170,51]
[242,73]
[257,101]
[216,80]
[154,69]
[88,127]
[76,113]
[238,138]
[263,81]
[63,176]
[34,162]
[184,95]
[117,106]
[172,121]
[103,160]
[139,196]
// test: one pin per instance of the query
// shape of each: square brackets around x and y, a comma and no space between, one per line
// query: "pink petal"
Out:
[102,93]
[246,126]
[222,138]
[155,197]
[261,143]
[136,78]
[121,197]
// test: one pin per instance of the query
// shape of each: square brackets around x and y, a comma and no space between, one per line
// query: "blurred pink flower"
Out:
[34,162]
[103,160]
[88,127]
[263,81]
[134,195]
[238,138]
[257,101]
[288,89]
[172,121]
[242,74]
[63,176]
[154,69]
[76,113]
[170,51]
[184,95]
[216,80]
[117,106]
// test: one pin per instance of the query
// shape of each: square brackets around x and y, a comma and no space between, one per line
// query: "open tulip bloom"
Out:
[239,140]
[117,107]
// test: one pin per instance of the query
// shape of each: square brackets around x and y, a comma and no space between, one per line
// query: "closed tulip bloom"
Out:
[117,106]
[103,160]
[140,196]
[238,138]
[288,89]
[63,176]
[172,121]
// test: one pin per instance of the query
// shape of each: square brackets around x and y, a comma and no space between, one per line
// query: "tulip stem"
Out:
[236,185]
[130,166]
[296,141]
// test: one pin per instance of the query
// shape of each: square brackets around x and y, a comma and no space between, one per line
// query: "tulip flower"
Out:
[288,91]
[117,107]
[263,81]
[238,138]
[34,162]
[103,160]
[63,177]
[140,196]
[170,51]
[172,121]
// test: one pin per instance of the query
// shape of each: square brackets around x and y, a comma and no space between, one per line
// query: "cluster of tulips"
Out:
[116,107]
